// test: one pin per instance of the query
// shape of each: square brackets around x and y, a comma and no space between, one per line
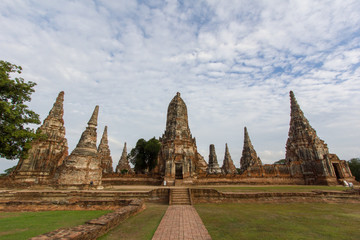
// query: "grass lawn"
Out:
[281,221]
[141,226]
[285,188]
[23,225]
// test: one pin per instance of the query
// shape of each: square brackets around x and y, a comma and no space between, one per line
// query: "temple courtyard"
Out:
[262,212]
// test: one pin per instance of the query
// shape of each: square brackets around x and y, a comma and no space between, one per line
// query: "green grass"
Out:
[287,188]
[281,221]
[140,226]
[23,225]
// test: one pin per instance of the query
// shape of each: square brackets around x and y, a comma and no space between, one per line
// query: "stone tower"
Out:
[82,167]
[104,153]
[213,166]
[228,166]
[123,162]
[249,157]
[308,155]
[178,157]
[46,154]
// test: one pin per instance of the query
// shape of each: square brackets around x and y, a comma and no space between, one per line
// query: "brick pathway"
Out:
[181,222]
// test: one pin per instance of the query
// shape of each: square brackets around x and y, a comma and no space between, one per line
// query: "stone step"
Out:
[180,196]
[180,201]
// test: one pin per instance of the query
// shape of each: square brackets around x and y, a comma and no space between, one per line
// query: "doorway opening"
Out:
[178,171]
[337,170]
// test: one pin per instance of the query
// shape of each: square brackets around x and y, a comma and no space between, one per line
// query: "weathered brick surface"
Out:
[75,200]
[213,166]
[228,166]
[104,153]
[83,165]
[214,196]
[249,156]
[178,153]
[96,227]
[307,155]
[123,163]
[46,154]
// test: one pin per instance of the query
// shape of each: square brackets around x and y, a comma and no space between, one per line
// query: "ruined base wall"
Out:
[235,179]
[39,200]
[213,196]
[116,179]
[96,227]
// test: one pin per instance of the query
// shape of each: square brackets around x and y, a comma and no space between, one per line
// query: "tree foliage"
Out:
[354,165]
[144,155]
[281,161]
[14,113]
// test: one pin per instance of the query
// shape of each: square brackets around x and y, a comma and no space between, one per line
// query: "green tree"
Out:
[354,165]
[144,155]
[15,136]
[281,161]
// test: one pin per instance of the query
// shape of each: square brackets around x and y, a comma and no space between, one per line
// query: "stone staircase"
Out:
[180,196]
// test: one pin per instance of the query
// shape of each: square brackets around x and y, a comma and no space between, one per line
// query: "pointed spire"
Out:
[303,142]
[83,165]
[123,162]
[228,166]
[296,112]
[57,111]
[249,157]
[104,138]
[246,136]
[213,166]
[47,154]
[104,153]
[94,117]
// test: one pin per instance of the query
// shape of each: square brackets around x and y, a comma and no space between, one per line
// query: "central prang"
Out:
[179,158]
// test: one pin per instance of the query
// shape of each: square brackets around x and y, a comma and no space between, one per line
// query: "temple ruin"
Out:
[48,153]
[83,165]
[228,166]
[307,159]
[178,157]
[104,154]
[123,165]
[249,156]
[213,166]
[307,155]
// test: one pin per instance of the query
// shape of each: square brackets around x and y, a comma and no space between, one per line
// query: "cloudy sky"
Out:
[234,63]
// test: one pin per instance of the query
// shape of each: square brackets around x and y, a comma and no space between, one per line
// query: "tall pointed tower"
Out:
[213,166]
[228,166]
[178,157]
[82,167]
[307,155]
[45,154]
[104,153]
[123,162]
[249,157]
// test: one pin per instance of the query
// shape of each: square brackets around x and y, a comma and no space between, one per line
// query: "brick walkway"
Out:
[181,222]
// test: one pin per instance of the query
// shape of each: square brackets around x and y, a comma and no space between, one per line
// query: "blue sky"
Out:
[234,63]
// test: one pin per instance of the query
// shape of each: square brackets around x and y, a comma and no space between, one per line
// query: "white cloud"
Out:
[233,61]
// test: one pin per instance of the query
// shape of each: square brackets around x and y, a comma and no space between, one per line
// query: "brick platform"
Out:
[181,222]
